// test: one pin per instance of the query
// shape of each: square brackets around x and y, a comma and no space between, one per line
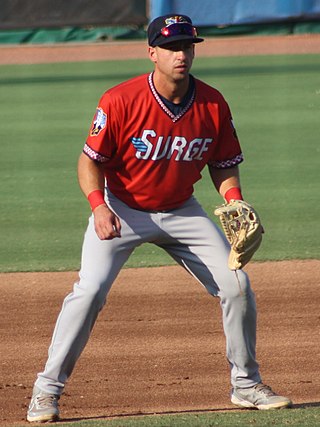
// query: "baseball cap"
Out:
[171,28]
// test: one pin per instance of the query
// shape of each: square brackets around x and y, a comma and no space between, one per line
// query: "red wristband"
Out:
[96,198]
[233,193]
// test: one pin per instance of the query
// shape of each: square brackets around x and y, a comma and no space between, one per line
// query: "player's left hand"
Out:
[242,227]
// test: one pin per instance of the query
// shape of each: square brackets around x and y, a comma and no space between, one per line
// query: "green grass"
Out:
[302,417]
[46,111]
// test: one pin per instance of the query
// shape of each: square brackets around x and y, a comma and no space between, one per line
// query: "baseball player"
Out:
[148,143]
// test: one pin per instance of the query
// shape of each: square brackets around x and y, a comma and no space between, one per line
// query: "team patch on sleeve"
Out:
[99,122]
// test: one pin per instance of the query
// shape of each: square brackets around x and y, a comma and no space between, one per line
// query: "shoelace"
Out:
[46,401]
[265,389]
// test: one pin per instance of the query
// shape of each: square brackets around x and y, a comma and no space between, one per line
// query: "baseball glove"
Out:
[243,229]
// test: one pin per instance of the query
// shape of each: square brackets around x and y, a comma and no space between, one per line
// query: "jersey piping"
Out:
[94,155]
[172,116]
[225,164]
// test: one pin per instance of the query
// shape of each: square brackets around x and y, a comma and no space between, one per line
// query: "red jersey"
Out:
[153,158]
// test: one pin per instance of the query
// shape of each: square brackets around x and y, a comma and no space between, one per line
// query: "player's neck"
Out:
[173,90]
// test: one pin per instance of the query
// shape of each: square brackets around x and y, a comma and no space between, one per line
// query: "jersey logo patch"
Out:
[99,122]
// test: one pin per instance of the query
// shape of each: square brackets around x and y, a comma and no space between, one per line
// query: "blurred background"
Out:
[51,21]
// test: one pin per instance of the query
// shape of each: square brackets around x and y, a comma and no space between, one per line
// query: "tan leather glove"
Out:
[243,229]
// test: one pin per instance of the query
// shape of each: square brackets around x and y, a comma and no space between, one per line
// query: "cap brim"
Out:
[161,41]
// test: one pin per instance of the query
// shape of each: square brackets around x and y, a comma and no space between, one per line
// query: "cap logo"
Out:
[175,20]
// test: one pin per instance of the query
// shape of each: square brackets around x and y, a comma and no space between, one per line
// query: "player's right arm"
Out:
[91,179]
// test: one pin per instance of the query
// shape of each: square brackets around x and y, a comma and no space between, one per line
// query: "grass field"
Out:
[302,417]
[46,111]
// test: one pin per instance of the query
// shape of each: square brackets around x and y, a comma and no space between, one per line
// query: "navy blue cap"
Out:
[171,28]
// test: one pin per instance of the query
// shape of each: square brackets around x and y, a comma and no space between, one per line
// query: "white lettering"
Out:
[192,149]
[177,148]
[203,148]
[178,145]
[156,155]
[144,138]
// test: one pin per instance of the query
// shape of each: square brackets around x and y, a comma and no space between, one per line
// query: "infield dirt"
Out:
[158,345]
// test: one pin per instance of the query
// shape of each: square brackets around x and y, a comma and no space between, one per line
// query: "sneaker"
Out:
[43,407]
[260,396]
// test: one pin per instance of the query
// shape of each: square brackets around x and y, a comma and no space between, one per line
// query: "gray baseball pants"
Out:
[197,244]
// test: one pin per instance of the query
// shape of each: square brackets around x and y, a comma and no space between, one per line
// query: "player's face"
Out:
[173,60]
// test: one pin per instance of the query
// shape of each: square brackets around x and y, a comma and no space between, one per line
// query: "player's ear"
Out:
[153,54]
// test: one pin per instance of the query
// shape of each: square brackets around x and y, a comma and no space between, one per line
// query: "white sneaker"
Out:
[260,397]
[43,407]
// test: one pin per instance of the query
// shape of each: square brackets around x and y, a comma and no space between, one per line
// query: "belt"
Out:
[154,211]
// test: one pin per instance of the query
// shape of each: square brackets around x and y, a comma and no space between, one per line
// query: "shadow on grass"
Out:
[306,405]
[199,71]
[188,411]
[145,414]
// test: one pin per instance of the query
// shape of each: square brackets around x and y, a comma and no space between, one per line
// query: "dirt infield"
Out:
[229,46]
[158,346]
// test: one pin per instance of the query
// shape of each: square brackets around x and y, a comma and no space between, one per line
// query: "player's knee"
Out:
[92,291]
[238,286]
